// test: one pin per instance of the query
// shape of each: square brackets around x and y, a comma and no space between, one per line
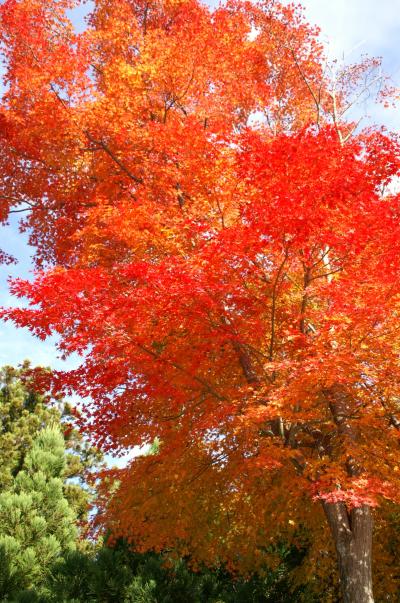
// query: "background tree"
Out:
[120,574]
[26,407]
[44,499]
[23,413]
[37,524]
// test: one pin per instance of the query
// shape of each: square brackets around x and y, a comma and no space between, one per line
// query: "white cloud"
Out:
[352,28]
[355,25]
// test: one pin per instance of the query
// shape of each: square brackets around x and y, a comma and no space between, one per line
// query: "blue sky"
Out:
[349,28]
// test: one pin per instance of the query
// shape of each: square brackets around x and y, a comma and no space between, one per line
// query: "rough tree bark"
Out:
[352,535]
[351,528]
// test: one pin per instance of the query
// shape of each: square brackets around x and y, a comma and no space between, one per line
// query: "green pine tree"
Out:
[121,575]
[23,413]
[37,524]
[43,493]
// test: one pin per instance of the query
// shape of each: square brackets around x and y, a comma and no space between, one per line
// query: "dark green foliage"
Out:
[117,575]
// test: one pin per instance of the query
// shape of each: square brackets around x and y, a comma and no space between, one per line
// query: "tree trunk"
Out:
[352,534]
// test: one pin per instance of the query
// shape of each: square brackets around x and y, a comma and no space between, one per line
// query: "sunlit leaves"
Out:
[221,281]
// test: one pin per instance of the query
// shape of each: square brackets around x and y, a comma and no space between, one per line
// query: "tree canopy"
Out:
[222,248]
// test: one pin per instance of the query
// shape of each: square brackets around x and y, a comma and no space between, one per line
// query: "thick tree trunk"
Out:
[352,534]
[351,529]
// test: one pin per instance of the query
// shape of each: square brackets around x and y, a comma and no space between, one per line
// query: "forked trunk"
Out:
[352,534]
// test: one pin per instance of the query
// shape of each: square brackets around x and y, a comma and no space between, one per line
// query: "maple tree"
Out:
[232,286]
